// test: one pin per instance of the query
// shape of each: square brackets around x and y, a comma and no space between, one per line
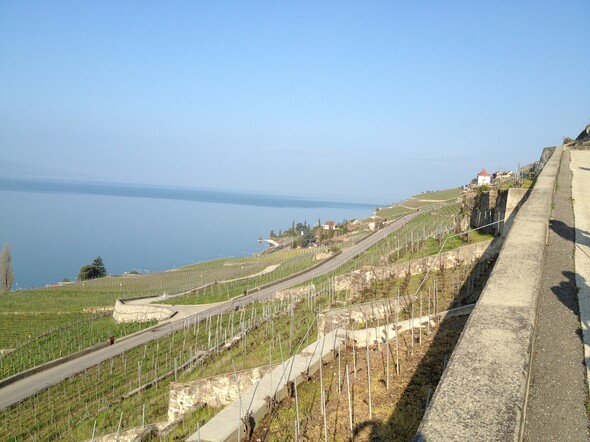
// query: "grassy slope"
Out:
[441,195]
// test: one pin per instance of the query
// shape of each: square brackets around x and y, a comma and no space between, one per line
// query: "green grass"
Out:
[68,410]
[83,332]
[105,291]
[441,195]
[393,213]
[22,327]
[225,291]
[424,201]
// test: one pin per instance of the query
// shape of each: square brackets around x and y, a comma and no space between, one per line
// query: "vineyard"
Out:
[423,201]
[75,335]
[98,391]
[22,327]
[227,290]
[114,394]
[38,337]
[343,412]
[441,195]
[132,389]
[105,291]
[422,236]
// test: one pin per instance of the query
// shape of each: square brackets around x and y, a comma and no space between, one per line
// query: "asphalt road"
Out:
[30,385]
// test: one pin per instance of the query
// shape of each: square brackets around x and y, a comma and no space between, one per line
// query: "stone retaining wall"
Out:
[141,312]
[345,317]
[216,391]
[358,280]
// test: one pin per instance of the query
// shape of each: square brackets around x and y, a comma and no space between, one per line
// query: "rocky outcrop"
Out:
[584,135]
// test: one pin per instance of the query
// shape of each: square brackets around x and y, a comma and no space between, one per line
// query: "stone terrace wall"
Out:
[217,391]
[359,313]
[358,280]
[141,313]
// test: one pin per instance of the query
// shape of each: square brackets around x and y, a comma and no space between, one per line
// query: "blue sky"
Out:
[370,101]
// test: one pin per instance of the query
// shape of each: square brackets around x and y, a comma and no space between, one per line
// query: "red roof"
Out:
[483,172]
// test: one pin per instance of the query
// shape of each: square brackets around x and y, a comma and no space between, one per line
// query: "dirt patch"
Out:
[394,413]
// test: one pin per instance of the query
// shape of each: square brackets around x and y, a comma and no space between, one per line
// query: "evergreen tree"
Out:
[92,271]
[99,267]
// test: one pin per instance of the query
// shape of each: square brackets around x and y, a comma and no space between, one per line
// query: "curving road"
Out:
[23,388]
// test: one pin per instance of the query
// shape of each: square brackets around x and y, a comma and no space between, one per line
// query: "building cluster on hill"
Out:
[486,179]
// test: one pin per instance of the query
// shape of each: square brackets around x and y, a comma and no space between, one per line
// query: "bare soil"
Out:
[394,413]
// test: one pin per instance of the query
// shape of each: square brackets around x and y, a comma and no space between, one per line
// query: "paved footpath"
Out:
[556,408]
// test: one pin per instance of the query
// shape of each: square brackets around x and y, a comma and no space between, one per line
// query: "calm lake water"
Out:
[53,234]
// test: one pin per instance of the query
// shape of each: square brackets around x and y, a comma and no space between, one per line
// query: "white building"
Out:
[483,177]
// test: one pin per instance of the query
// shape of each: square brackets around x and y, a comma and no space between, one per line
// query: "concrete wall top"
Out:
[482,392]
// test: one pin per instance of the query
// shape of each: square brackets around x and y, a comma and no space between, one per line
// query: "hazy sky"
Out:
[364,100]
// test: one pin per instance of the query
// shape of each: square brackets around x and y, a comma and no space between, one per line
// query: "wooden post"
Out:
[349,404]
[368,373]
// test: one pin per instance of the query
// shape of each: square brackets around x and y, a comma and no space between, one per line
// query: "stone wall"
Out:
[217,391]
[358,280]
[141,313]
[345,317]
[484,208]
[295,294]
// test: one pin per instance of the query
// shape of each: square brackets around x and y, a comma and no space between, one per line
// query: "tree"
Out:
[101,270]
[92,271]
[307,238]
[6,272]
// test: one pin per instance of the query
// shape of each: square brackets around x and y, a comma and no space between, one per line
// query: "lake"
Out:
[54,233]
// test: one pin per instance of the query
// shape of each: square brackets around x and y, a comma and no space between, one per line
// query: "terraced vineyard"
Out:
[423,201]
[21,327]
[441,195]
[105,291]
[104,397]
[75,335]
[91,401]
[224,291]
[63,328]
[134,387]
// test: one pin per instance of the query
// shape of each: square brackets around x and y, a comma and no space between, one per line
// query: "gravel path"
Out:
[556,407]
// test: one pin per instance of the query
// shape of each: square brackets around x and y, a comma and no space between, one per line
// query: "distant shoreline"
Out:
[172,193]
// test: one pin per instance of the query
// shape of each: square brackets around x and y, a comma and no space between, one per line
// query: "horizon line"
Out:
[235,197]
